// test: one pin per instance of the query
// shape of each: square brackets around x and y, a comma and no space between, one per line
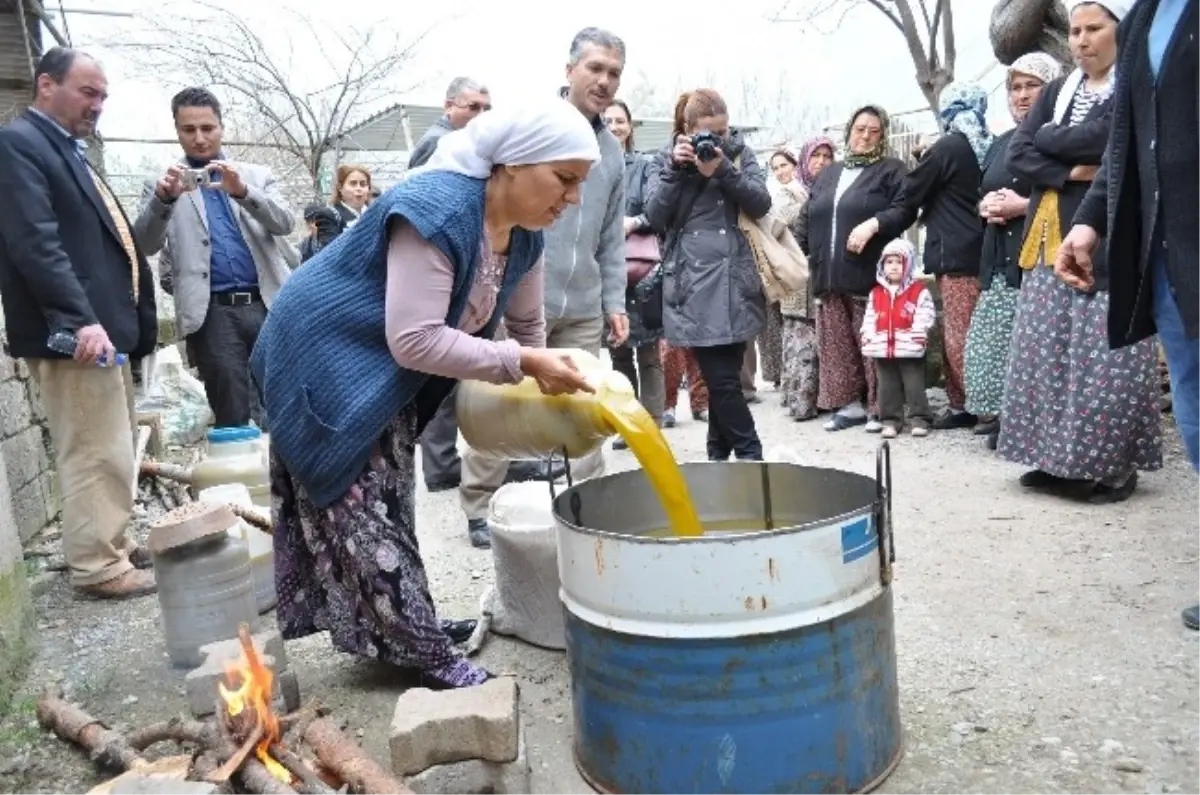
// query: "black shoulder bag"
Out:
[650,291]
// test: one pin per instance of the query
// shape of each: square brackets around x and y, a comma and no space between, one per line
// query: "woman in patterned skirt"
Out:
[1084,417]
[360,349]
[800,382]
[1005,199]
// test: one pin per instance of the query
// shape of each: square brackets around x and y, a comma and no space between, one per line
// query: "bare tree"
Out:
[777,111]
[926,25]
[648,99]
[256,80]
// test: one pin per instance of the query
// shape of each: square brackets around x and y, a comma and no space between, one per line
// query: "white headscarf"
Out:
[544,132]
[1118,8]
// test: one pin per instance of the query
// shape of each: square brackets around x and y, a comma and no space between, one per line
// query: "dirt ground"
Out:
[1039,641]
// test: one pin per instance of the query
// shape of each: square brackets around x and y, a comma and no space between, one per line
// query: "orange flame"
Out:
[250,683]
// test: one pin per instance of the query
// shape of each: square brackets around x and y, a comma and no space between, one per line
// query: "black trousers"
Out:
[901,382]
[730,424]
[440,463]
[220,349]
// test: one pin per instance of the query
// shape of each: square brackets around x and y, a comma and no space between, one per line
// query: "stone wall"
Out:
[26,449]
[16,606]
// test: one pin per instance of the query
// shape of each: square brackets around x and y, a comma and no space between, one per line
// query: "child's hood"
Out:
[907,252]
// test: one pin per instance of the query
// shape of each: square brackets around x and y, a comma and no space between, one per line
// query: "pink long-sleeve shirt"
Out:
[420,281]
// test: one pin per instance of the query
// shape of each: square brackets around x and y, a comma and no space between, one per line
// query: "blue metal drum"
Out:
[758,658]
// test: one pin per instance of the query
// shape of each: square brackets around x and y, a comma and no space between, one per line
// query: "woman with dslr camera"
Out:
[713,300]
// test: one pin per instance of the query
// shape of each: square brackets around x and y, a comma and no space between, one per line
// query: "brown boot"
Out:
[132,583]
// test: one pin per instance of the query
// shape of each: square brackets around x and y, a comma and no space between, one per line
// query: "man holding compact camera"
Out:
[220,229]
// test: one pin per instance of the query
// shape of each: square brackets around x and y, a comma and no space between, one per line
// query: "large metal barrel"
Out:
[760,661]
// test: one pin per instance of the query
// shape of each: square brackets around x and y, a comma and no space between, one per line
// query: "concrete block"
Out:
[25,457]
[476,776]
[51,495]
[436,728]
[157,785]
[34,396]
[201,682]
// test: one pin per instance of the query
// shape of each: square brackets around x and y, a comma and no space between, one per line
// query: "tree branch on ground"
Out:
[929,36]
[256,81]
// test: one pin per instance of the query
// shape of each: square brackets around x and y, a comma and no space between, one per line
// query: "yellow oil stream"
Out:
[627,417]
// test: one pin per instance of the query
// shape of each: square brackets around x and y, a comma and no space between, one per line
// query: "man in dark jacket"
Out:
[1146,198]
[323,226]
[465,99]
[69,264]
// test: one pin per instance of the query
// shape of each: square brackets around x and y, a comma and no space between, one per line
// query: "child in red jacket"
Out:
[899,314]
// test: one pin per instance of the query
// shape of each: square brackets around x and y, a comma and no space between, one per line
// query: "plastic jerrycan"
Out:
[518,421]
[235,456]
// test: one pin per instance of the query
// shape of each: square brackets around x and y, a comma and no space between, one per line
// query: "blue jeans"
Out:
[1183,361]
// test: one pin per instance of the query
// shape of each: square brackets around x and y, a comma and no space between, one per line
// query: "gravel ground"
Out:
[1039,643]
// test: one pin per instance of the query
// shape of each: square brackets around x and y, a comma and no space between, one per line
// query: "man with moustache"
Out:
[69,263]
[221,239]
[585,259]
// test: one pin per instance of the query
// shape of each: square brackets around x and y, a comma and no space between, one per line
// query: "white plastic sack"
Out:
[178,397]
[525,602]
[783,455]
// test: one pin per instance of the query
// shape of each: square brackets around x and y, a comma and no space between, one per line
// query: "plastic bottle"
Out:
[518,421]
[65,342]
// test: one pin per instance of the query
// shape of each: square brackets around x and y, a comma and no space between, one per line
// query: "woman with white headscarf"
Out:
[1084,417]
[363,344]
[1004,200]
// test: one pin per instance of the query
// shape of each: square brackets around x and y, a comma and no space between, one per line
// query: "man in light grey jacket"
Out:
[585,258]
[220,230]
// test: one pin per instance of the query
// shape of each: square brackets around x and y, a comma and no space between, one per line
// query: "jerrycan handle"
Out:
[576,504]
[883,511]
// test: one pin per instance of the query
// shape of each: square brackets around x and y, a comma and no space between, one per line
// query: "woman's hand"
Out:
[554,371]
[1083,173]
[1009,204]
[861,235]
[683,154]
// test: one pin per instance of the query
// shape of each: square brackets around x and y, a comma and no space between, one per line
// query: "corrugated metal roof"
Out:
[385,131]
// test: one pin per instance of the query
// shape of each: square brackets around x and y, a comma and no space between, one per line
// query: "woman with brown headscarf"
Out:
[845,195]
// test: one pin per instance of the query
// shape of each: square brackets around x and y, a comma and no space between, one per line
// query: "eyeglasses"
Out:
[474,107]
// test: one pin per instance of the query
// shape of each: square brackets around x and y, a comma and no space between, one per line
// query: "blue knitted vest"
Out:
[328,381]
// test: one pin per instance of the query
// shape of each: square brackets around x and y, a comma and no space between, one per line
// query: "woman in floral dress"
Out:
[1084,417]
[1005,200]
[362,346]
[800,382]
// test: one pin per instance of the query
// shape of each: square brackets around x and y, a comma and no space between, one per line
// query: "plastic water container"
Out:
[205,584]
[235,456]
[262,546]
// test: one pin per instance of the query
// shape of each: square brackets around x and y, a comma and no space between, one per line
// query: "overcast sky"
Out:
[519,49]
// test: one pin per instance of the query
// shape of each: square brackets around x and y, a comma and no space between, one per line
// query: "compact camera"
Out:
[193,178]
[707,145]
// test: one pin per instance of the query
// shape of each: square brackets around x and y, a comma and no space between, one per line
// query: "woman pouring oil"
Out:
[365,341]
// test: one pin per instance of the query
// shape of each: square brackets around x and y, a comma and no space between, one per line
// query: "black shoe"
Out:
[1037,479]
[459,631]
[700,416]
[1191,617]
[993,439]
[479,533]
[953,420]
[620,444]
[434,486]
[1105,495]
[986,427]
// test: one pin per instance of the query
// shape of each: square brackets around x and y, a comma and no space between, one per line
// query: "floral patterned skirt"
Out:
[770,345]
[988,340]
[354,568]
[1072,407]
[799,384]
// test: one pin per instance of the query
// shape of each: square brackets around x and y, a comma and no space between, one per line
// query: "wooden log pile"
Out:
[242,748]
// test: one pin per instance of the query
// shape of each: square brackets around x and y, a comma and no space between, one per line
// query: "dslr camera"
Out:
[707,145]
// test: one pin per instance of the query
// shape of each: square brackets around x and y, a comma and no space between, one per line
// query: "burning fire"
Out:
[250,683]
